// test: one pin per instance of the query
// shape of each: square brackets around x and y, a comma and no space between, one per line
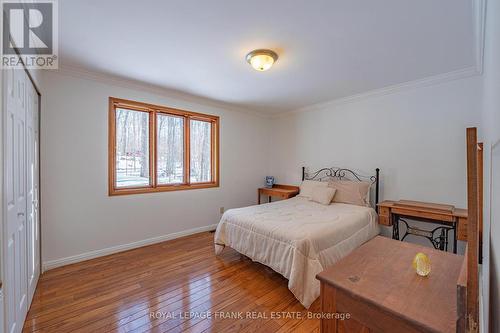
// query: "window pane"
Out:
[132,148]
[200,142]
[170,149]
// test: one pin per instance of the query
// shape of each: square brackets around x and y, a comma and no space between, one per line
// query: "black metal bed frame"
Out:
[438,236]
[343,173]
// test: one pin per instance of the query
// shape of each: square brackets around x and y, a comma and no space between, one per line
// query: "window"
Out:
[154,148]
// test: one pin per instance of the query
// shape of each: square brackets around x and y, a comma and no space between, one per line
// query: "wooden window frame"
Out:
[153,110]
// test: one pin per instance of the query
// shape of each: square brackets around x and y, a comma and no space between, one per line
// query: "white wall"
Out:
[491,137]
[416,137]
[78,216]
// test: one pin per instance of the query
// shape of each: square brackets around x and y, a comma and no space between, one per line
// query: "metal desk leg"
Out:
[395,226]
[443,240]
[455,237]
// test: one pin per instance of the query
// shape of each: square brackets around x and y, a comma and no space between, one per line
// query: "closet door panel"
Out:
[32,191]
[21,193]
[10,228]
[36,185]
[15,250]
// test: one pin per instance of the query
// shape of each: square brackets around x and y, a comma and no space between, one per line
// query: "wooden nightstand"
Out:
[279,191]
[391,213]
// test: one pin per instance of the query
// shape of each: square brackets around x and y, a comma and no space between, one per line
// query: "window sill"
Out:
[161,188]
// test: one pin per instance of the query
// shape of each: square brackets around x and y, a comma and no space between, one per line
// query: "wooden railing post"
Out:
[473,197]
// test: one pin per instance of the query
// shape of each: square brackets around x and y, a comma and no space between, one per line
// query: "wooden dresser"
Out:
[377,287]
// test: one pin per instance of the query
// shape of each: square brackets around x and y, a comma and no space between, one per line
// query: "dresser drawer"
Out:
[462,229]
[382,219]
[423,214]
[383,211]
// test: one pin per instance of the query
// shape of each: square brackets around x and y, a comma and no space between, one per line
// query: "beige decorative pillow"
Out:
[323,195]
[307,186]
[351,192]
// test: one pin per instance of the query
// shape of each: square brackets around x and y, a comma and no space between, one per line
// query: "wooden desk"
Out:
[451,218]
[377,285]
[280,191]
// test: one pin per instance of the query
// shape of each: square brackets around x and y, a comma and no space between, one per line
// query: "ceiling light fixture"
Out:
[261,60]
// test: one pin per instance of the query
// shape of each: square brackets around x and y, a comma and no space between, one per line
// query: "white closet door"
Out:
[33,240]
[15,254]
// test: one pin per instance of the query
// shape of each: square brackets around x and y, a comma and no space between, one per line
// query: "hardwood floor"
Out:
[154,288]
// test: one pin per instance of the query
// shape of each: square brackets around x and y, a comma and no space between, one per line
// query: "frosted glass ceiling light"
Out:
[261,60]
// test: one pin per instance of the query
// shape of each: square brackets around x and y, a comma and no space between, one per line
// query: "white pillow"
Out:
[307,186]
[323,195]
[351,192]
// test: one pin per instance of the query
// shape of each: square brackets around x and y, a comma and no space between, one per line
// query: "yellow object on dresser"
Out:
[422,264]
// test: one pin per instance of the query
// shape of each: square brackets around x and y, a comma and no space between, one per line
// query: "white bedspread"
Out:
[297,238]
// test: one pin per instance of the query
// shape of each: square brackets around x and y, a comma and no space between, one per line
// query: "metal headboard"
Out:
[346,174]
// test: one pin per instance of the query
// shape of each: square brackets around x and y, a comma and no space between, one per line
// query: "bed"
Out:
[297,237]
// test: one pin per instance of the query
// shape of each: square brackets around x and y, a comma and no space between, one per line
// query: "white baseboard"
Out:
[120,248]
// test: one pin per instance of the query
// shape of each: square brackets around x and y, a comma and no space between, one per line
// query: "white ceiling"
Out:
[327,49]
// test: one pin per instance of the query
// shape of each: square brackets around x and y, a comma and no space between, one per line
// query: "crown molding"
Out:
[425,82]
[118,81]
[479,25]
